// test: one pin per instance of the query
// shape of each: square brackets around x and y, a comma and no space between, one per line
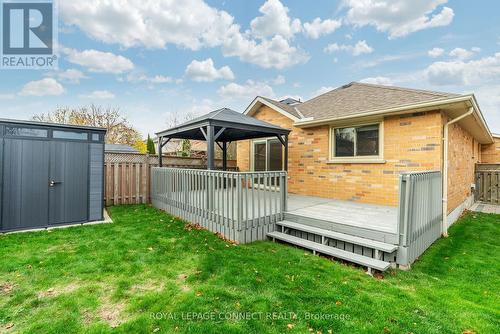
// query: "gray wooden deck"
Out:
[369,216]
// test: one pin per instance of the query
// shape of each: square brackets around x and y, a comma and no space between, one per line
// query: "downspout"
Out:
[444,227]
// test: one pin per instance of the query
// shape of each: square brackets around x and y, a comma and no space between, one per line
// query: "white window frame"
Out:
[266,141]
[358,159]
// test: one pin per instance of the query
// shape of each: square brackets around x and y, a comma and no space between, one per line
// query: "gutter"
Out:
[444,226]
[407,107]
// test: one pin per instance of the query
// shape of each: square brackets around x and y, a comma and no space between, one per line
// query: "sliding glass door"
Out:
[267,156]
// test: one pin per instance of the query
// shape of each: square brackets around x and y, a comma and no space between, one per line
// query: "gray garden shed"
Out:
[50,174]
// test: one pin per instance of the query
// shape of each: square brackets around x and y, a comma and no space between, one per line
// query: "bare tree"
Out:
[175,119]
[119,129]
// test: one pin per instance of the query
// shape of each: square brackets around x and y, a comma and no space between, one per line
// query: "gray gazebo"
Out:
[222,127]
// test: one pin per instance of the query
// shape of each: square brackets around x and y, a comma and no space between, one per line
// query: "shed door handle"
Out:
[53,183]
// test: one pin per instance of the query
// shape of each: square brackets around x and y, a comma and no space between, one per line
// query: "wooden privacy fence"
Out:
[420,214]
[242,207]
[127,175]
[487,183]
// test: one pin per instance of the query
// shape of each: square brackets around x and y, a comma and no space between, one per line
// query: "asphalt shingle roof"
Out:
[358,98]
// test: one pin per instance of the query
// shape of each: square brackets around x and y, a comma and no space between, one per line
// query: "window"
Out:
[95,137]
[70,135]
[25,132]
[360,141]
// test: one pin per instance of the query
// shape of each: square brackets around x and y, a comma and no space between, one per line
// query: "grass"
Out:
[147,273]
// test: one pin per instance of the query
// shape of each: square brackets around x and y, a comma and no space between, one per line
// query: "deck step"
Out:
[382,246]
[332,251]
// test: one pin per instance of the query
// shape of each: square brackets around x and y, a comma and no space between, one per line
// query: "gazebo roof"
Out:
[236,127]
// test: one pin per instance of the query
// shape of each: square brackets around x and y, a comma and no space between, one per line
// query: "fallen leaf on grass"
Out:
[6,288]
[290,326]
[199,294]
[9,325]
[338,302]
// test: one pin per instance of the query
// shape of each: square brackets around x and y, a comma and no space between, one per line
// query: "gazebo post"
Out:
[210,147]
[160,160]
[286,153]
[224,156]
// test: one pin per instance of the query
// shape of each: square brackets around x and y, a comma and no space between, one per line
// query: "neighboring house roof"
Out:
[119,148]
[285,109]
[360,100]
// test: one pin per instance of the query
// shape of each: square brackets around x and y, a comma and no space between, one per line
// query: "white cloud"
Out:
[318,27]
[398,17]
[248,90]
[276,52]
[361,47]
[98,61]
[463,54]
[71,75]
[141,77]
[275,21]
[489,101]
[458,72]
[190,24]
[435,52]
[205,71]
[279,80]
[384,81]
[98,95]
[44,87]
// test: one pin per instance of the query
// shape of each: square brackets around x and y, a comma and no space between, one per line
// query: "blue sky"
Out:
[154,59]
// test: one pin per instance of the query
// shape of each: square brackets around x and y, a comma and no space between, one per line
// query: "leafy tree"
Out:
[140,146]
[119,129]
[150,146]
[186,148]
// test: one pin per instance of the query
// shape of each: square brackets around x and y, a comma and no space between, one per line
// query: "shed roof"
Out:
[119,148]
[237,127]
[52,125]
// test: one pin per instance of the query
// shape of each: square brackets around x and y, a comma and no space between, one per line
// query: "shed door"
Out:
[68,182]
[25,183]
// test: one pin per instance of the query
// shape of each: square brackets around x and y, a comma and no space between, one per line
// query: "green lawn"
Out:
[147,273]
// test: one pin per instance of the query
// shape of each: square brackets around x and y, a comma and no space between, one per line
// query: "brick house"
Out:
[353,142]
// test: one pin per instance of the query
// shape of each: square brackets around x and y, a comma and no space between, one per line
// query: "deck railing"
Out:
[420,214]
[242,207]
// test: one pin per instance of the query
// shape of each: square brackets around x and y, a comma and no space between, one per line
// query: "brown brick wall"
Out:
[463,154]
[490,154]
[411,143]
